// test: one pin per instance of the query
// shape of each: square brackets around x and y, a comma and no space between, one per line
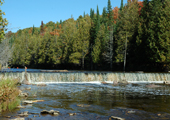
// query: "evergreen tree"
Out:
[109,45]
[97,26]
[84,14]
[97,41]
[126,28]
[121,6]
[33,30]
[104,16]
[99,46]
[91,13]
[153,34]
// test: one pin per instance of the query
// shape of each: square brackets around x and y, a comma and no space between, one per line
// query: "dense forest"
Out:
[134,37]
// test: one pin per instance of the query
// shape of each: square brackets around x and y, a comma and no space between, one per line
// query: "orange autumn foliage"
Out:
[115,14]
[54,33]
[30,31]
[140,6]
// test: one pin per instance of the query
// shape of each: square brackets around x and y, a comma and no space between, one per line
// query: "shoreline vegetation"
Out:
[9,93]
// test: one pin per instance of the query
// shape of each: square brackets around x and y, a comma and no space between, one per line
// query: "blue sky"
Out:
[26,13]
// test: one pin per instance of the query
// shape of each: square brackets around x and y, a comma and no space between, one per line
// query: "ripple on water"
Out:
[97,101]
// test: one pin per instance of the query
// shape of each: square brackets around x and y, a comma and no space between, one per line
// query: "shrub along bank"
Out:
[8,94]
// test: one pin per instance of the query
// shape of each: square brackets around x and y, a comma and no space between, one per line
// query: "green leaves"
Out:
[3,23]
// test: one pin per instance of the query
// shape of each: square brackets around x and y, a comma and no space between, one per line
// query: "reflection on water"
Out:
[97,101]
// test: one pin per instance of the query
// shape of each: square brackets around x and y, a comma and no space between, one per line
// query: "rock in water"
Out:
[23,94]
[167,82]
[42,84]
[152,86]
[27,102]
[105,83]
[71,114]
[117,118]
[50,112]
[18,119]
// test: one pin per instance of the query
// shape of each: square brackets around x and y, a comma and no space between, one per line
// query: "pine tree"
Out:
[97,41]
[97,26]
[109,46]
[104,16]
[121,6]
[33,30]
[154,38]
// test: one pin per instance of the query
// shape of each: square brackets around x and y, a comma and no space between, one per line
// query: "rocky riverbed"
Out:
[92,101]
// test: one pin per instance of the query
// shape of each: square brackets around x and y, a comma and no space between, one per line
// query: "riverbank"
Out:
[8,94]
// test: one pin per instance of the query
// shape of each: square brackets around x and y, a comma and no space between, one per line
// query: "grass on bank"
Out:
[8,94]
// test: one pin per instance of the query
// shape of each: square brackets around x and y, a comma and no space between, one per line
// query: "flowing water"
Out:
[97,102]
[81,94]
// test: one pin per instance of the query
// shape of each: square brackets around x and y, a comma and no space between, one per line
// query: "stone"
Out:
[117,118]
[23,114]
[71,114]
[27,102]
[55,113]
[152,86]
[104,82]
[131,111]
[167,82]
[28,88]
[42,84]
[52,112]
[23,94]
[81,105]
[20,107]
[123,82]
[18,119]
[37,101]
[45,112]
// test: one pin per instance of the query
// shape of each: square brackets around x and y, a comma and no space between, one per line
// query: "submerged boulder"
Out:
[42,84]
[82,105]
[20,107]
[105,83]
[152,86]
[23,114]
[123,82]
[18,119]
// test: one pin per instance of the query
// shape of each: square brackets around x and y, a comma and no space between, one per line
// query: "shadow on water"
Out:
[97,101]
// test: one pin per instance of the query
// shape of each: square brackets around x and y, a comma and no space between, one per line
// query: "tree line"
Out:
[134,37]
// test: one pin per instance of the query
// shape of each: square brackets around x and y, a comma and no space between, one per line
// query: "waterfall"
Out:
[59,77]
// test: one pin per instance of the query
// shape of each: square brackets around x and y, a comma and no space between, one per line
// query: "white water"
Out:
[92,77]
